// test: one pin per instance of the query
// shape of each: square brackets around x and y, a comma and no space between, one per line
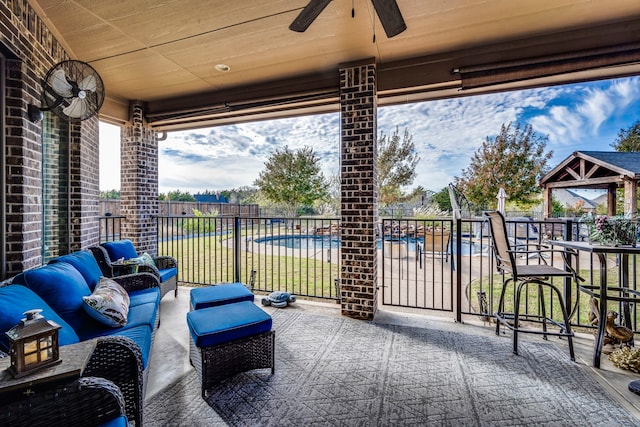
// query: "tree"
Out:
[292,179]
[515,159]
[442,199]
[177,196]
[334,194]
[628,139]
[110,195]
[243,195]
[397,161]
[557,208]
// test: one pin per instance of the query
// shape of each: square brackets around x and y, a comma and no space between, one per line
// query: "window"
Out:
[55,187]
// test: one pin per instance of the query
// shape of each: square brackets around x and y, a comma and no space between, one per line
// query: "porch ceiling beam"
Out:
[402,81]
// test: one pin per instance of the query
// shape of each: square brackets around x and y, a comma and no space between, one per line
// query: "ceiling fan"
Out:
[387,10]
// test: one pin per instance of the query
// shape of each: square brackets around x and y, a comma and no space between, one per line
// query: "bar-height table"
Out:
[621,293]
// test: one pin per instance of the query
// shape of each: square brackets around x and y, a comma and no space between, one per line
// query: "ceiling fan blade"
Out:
[308,15]
[390,16]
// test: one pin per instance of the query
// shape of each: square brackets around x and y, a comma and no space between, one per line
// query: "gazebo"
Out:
[597,170]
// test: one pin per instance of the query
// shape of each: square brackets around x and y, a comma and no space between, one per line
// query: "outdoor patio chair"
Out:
[113,258]
[435,242]
[521,276]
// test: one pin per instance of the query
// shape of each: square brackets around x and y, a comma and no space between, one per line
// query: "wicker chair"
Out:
[105,262]
[521,276]
[87,401]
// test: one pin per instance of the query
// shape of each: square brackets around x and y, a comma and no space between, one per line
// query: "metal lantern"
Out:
[33,344]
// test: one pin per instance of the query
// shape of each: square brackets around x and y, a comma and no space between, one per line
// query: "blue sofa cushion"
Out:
[120,249]
[15,300]
[85,263]
[144,296]
[224,323]
[121,421]
[227,293]
[62,287]
[140,315]
[167,273]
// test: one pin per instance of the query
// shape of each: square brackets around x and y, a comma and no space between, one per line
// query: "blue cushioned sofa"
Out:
[165,268]
[58,288]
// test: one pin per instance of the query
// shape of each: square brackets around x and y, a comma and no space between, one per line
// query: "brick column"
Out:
[139,182]
[359,193]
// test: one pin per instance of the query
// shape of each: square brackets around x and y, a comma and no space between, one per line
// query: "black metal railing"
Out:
[416,263]
[480,284]
[109,227]
[296,255]
[434,264]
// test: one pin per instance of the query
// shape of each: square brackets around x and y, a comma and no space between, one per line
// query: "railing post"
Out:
[568,230]
[236,249]
[459,270]
[568,235]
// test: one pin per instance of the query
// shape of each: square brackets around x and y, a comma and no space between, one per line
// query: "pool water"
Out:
[328,242]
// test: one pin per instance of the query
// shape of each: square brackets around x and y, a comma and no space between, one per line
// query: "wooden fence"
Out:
[187,208]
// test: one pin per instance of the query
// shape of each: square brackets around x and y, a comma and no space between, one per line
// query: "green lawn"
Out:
[206,260]
[530,301]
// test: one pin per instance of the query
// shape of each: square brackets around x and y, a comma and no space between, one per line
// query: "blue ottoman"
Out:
[212,296]
[228,339]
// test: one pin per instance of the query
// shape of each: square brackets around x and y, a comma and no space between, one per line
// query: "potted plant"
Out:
[611,231]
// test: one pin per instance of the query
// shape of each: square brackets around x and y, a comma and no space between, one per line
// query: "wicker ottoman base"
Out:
[218,362]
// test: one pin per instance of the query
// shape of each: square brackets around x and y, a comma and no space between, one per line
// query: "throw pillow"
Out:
[108,304]
[144,259]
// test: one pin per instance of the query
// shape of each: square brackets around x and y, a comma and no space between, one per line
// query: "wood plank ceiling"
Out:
[165,52]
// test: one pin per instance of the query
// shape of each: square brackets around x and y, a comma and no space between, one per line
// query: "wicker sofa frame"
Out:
[116,358]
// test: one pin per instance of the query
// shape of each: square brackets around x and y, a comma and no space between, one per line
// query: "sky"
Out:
[446,133]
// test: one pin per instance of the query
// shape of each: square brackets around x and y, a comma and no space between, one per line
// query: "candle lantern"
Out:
[33,344]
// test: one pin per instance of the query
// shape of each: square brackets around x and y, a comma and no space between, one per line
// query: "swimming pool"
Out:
[302,241]
[332,242]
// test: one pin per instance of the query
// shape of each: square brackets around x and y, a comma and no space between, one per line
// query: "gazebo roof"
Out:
[594,169]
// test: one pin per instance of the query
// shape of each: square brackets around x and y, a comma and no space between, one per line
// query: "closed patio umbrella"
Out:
[502,200]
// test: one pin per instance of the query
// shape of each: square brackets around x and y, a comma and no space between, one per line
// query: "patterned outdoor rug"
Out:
[337,371]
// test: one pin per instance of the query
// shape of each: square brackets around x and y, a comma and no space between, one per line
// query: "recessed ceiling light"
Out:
[223,68]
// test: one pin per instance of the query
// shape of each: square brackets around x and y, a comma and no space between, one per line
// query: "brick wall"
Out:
[31,50]
[139,182]
[358,282]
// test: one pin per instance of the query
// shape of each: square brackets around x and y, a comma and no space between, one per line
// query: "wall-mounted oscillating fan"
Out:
[72,90]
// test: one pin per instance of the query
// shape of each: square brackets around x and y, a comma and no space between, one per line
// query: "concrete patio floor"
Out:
[170,360]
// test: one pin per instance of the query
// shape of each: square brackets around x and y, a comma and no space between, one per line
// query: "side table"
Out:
[74,360]
[121,267]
